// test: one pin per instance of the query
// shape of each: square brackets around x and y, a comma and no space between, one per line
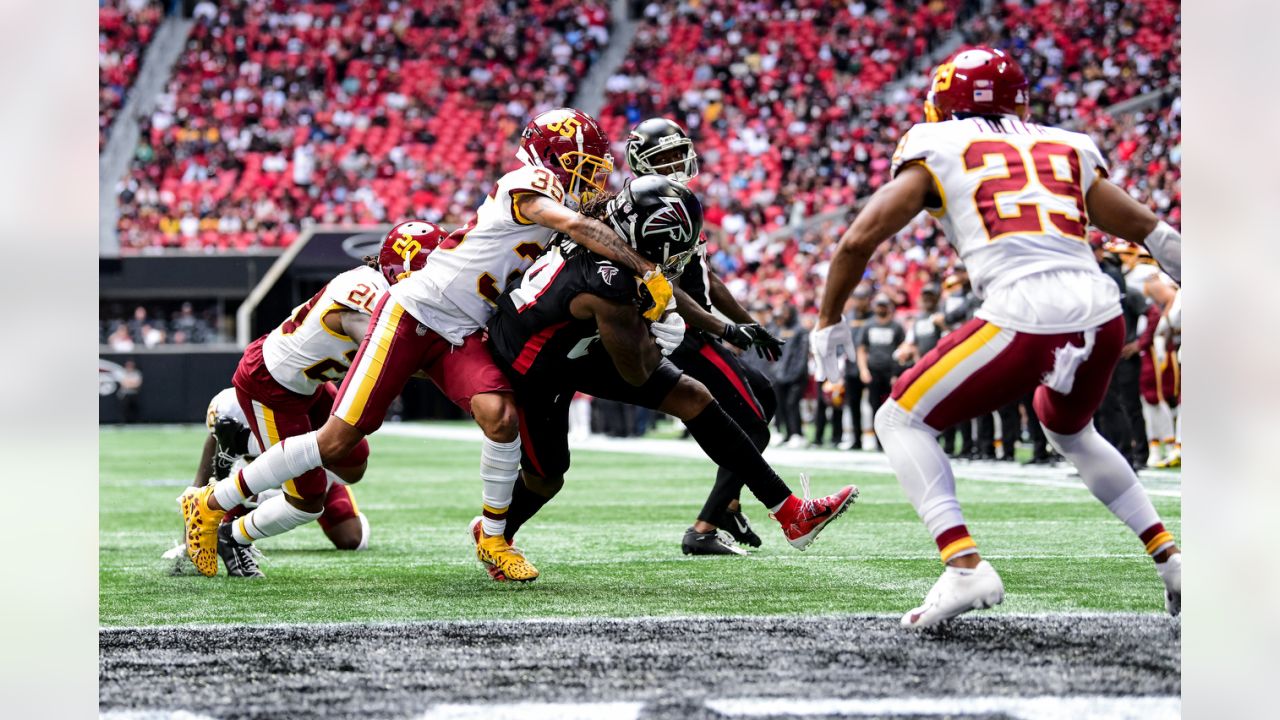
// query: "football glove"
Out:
[669,331]
[828,345]
[660,291]
[748,335]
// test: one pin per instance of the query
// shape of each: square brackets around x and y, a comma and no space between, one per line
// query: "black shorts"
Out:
[543,404]
[731,383]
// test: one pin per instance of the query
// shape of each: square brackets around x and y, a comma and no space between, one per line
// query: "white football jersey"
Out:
[1013,206]
[302,353]
[457,291]
[226,403]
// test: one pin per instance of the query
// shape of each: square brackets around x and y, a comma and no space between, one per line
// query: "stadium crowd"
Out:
[280,114]
[125,27]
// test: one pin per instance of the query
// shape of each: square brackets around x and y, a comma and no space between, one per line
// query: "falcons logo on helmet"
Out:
[672,220]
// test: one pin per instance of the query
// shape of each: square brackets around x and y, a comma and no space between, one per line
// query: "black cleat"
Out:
[238,558]
[735,523]
[232,440]
[710,543]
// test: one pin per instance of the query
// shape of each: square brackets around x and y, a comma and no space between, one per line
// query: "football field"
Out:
[620,617]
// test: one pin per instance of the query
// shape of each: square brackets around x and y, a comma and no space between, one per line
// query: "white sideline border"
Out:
[1057,477]
[578,620]
[1044,707]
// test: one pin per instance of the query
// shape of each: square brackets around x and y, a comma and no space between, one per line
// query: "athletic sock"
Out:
[499,468]
[1111,480]
[926,478]
[525,503]
[282,462]
[729,447]
[273,517]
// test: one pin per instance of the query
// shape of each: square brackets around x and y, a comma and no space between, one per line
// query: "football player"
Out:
[574,324]
[1015,199]
[231,442]
[432,322]
[284,385]
[659,146]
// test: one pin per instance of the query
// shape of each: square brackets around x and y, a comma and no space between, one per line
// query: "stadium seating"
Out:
[125,27]
[278,115]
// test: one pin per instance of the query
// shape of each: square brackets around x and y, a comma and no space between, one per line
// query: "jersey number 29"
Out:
[1027,216]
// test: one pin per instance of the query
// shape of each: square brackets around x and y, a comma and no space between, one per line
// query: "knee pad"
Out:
[891,417]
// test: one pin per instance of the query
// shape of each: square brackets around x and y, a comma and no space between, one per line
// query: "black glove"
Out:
[747,335]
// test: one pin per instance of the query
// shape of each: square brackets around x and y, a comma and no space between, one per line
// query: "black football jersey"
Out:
[695,280]
[534,328]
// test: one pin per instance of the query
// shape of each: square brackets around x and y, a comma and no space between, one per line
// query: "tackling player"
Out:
[659,146]
[284,386]
[230,441]
[573,324]
[432,322]
[1015,199]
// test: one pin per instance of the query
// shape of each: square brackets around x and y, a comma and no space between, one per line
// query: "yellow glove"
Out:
[660,290]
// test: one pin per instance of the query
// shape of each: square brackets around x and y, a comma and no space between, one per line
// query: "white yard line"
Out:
[535,711]
[1031,708]
[870,462]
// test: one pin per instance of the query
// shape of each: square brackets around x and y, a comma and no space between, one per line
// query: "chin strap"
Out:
[1165,245]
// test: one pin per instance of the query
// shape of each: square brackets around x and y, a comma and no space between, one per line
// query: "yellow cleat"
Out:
[496,553]
[202,530]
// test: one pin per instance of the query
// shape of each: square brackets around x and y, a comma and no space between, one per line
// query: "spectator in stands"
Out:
[791,374]
[130,386]
[880,338]
[857,312]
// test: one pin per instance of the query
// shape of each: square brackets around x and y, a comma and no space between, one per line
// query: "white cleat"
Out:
[1171,573]
[958,591]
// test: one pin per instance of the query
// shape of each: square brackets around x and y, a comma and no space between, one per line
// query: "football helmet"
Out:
[571,145]
[659,146]
[406,247]
[660,218]
[977,80]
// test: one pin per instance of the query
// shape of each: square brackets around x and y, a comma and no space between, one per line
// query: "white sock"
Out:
[364,532]
[273,517]
[1107,476]
[921,466]
[282,462]
[499,469]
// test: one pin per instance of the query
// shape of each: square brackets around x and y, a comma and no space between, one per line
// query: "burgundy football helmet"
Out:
[570,144]
[977,80]
[406,248]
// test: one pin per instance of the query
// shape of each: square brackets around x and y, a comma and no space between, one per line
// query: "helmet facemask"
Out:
[588,174]
[673,157]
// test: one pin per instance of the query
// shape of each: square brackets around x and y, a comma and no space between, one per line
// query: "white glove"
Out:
[668,332]
[829,345]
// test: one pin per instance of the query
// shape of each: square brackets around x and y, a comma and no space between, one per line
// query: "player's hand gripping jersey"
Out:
[303,352]
[534,327]
[1013,205]
[458,290]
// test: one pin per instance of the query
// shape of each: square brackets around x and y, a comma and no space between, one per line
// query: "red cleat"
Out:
[803,524]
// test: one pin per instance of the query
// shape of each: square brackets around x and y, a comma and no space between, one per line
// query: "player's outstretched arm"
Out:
[1112,211]
[599,239]
[624,335]
[693,314]
[725,302]
[888,211]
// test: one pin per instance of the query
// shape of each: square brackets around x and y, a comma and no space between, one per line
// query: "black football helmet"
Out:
[658,146]
[660,218]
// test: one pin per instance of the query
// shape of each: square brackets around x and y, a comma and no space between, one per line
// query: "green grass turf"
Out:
[609,545]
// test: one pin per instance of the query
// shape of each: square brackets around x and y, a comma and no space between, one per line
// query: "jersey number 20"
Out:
[1026,218]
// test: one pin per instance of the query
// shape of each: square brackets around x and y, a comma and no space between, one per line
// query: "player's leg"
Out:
[343,523]
[350,469]
[727,381]
[468,376]
[1068,423]
[974,370]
